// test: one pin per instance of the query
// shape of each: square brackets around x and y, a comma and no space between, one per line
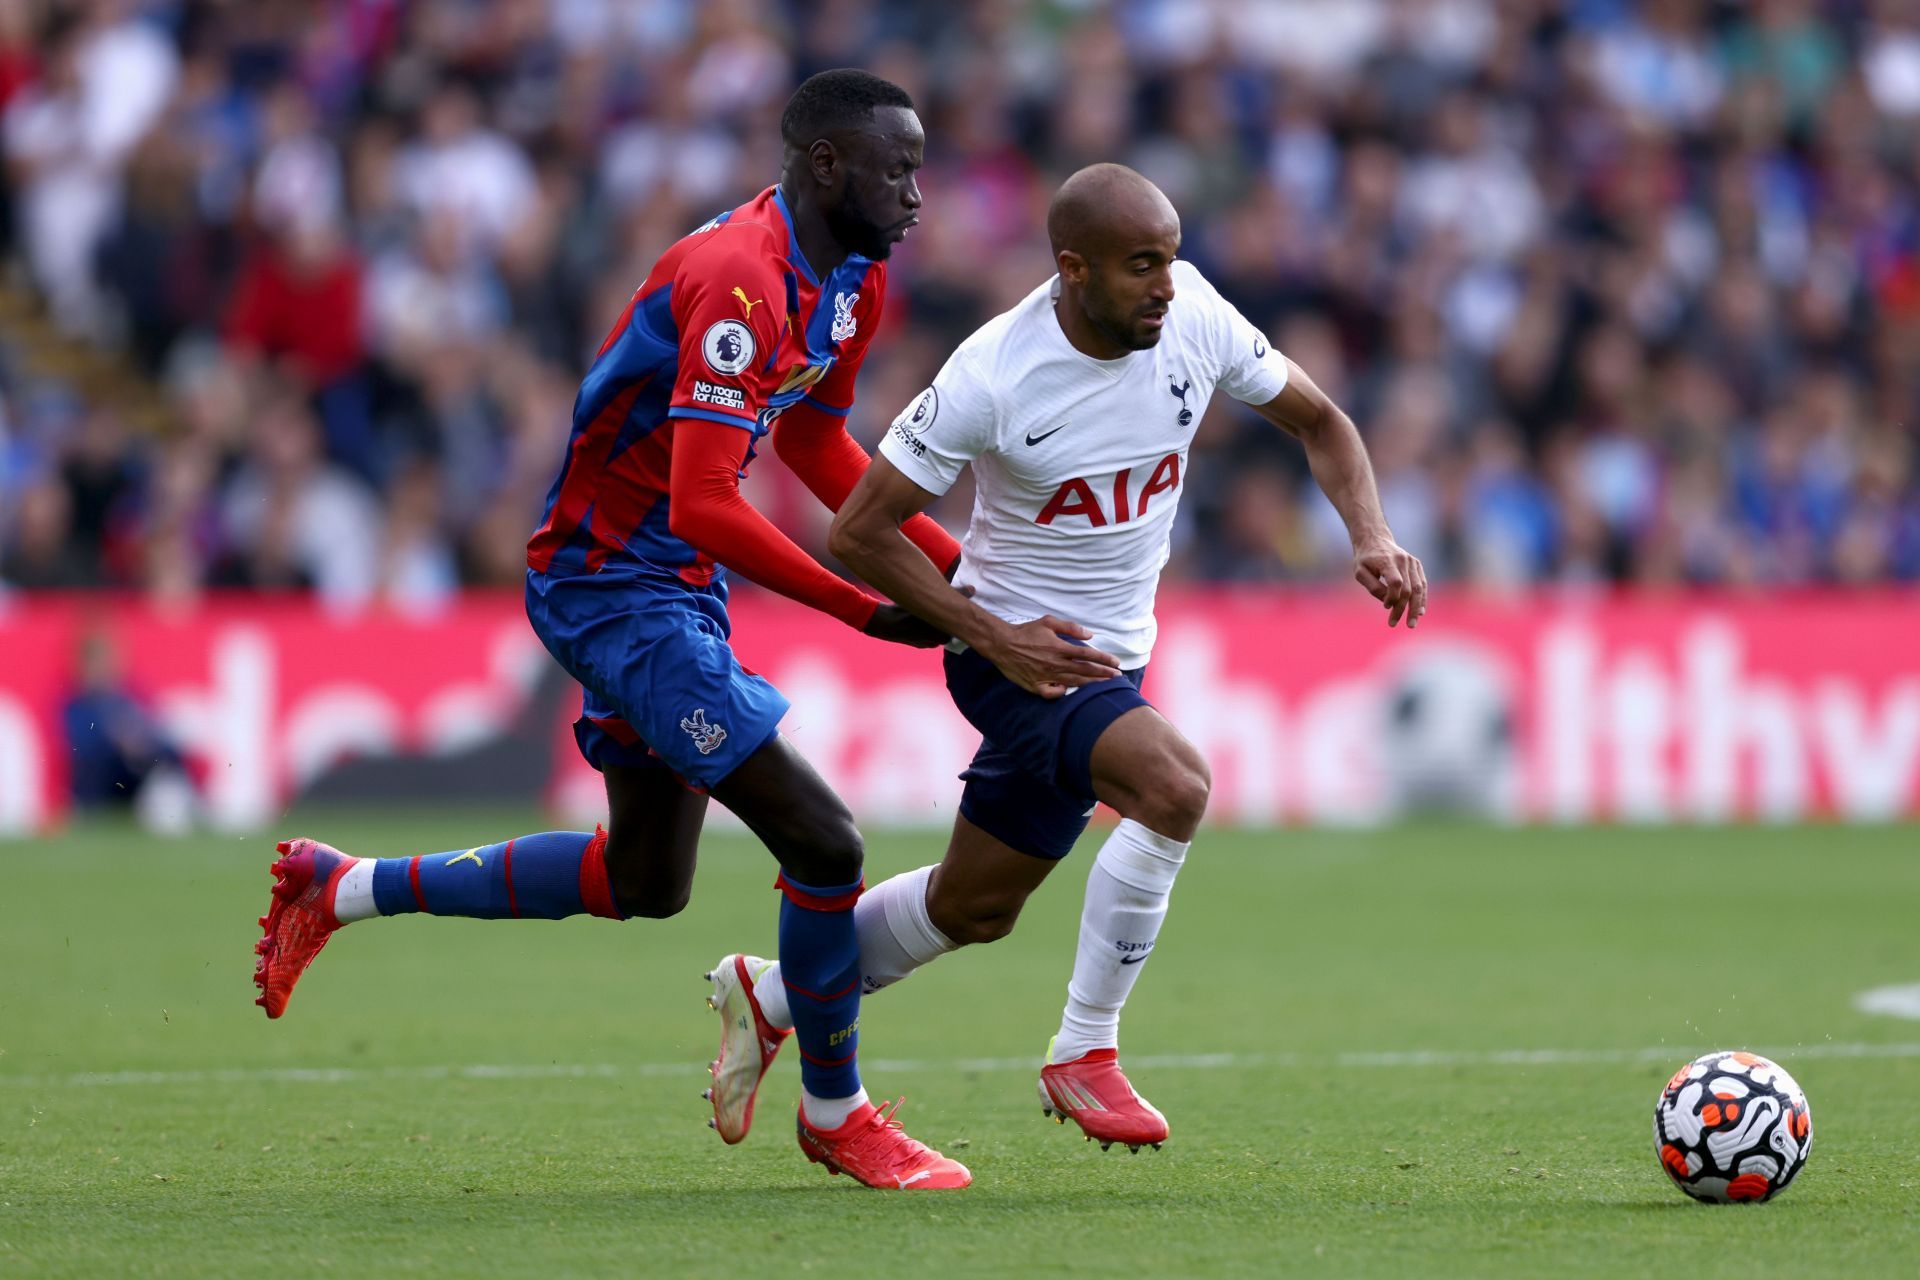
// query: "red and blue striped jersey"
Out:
[731,328]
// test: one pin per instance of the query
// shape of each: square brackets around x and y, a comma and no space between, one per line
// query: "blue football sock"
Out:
[820,968]
[541,877]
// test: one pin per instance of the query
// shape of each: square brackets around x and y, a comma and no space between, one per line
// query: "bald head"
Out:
[1108,210]
[1115,236]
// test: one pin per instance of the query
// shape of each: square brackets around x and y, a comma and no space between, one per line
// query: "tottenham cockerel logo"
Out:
[706,737]
[1180,394]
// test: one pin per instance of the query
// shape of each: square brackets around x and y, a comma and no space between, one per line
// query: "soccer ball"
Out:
[1732,1127]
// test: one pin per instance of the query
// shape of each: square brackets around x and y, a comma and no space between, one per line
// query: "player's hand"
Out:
[891,622]
[1041,658]
[1393,576]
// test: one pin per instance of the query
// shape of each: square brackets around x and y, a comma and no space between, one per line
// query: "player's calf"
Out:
[895,937]
[646,882]
[1144,767]
[810,831]
[977,892]
[318,890]
[653,839]
[973,915]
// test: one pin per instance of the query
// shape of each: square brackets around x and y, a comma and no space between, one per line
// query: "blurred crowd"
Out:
[1618,292]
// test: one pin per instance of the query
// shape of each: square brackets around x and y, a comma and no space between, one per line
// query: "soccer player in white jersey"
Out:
[1075,410]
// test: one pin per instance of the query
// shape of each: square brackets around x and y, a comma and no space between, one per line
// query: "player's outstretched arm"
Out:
[1338,457]
[816,447]
[866,536]
[707,511]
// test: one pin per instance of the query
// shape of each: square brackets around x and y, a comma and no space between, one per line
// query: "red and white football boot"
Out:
[300,920]
[748,1045]
[1093,1092]
[873,1149]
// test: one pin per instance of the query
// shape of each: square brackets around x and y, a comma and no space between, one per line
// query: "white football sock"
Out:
[830,1113]
[1127,893]
[353,897]
[896,937]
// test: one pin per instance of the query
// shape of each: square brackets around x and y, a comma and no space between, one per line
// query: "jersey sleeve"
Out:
[947,426]
[708,511]
[1251,371]
[728,305]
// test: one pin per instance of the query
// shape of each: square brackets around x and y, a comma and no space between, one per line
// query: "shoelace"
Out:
[906,1151]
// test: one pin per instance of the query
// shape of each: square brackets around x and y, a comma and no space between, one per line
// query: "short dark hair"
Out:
[835,101]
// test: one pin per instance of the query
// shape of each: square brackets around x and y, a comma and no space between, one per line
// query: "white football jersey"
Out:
[1078,463]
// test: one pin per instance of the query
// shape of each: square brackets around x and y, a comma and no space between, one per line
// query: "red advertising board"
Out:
[1540,707]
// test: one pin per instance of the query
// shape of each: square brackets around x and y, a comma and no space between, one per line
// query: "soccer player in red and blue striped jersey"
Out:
[754,324]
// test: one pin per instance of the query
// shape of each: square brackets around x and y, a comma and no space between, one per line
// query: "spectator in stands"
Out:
[295,520]
[116,748]
[1623,290]
[104,78]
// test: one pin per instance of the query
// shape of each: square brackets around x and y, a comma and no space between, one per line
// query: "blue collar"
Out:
[793,241]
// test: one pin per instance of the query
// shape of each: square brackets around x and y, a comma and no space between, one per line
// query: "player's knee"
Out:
[830,852]
[1177,800]
[970,921]
[1189,788]
[657,904]
[986,923]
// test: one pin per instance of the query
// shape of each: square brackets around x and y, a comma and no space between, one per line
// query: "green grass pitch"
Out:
[1338,1026]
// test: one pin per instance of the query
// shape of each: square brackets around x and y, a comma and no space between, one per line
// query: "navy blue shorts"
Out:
[663,687]
[1030,785]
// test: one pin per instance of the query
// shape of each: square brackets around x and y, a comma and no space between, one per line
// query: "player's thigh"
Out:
[977,892]
[653,838]
[661,680]
[1145,769]
[789,806]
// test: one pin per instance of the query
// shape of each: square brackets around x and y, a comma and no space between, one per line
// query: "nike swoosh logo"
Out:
[1136,958]
[1259,348]
[907,1182]
[1033,439]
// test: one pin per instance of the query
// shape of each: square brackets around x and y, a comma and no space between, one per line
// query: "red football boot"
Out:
[748,1045]
[1094,1093]
[873,1149]
[300,920]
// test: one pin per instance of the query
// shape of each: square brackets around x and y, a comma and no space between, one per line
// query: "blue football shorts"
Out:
[1030,785]
[663,688]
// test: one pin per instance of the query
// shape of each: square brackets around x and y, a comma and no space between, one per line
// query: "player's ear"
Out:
[1072,266]
[823,161]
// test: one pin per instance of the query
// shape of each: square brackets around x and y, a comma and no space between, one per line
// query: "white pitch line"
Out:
[1901,1001]
[887,1066]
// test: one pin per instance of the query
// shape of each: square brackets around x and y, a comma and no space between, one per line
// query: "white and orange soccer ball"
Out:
[1732,1128]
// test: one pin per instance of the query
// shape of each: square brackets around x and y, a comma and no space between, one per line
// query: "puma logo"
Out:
[473,853]
[741,294]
